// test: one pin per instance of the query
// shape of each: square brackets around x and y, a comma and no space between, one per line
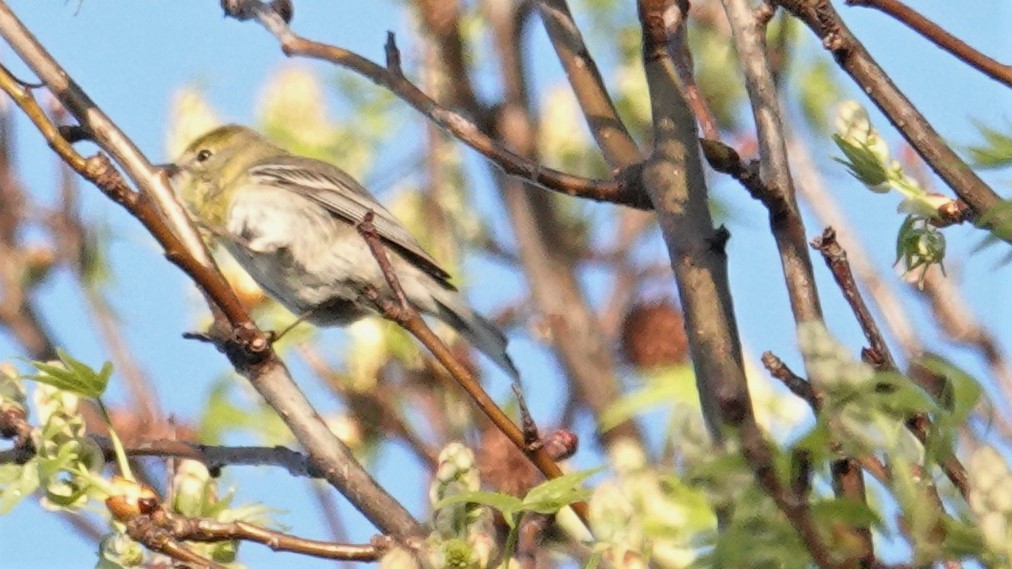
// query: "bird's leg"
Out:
[276,336]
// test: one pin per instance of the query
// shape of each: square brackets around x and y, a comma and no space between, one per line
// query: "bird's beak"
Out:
[171,170]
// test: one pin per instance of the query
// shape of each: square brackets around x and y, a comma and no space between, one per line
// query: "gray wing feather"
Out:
[335,190]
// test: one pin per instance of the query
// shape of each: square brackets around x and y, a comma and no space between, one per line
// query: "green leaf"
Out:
[996,150]
[962,390]
[66,494]
[508,505]
[546,498]
[961,539]
[74,376]
[675,385]
[863,164]
[848,512]
[17,482]
[549,497]
[898,395]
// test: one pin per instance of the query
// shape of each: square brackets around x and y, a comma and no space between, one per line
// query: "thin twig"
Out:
[836,259]
[404,314]
[938,36]
[183,528]
[878,354]
[851,55]
[795,383]
[530,428]
[623,189]
[678,46]
[393,56]
[214,457]
[144,529]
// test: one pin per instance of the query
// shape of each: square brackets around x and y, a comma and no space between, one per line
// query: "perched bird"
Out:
[290,221]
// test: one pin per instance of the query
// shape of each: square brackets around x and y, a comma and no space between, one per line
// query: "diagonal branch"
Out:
[836,259]
[246,345]
[623,189]
[878,355]
[401,312]
[850,54]
[938,36]
[611,134]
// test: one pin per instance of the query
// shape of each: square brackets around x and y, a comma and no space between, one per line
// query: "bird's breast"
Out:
[300,253]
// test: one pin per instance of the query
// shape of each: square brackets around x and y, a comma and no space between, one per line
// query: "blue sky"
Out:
[131,56]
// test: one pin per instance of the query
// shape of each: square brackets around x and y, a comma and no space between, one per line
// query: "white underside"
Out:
[304,256]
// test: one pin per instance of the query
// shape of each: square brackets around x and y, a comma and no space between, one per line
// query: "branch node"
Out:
[393,55]
[73,133]
[283,8]
[718,240]
[795,383]
[764,13]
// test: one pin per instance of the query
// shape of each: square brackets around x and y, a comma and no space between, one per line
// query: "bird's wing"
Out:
[335,190]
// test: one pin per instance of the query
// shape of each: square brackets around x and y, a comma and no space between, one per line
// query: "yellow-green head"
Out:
[213,167]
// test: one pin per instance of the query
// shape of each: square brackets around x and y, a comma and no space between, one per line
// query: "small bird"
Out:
[291,222]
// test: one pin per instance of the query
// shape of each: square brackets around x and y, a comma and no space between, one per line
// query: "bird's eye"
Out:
[203,155]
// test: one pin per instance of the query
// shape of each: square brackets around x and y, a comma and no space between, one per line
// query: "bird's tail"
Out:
[481,333]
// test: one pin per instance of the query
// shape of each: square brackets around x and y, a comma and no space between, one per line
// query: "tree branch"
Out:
[673,178]
[404,314]
[183,528]
[678,46]
[836,259]
[551,270]
[853,58]
[774,171]
[611,134]
[795,383]
[623,189]
[878,355]
[938,36]
[247,346]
